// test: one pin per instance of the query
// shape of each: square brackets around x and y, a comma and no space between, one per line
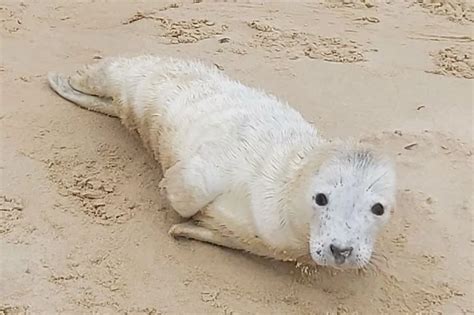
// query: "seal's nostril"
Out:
[335,250]
[346,251]
[340,252]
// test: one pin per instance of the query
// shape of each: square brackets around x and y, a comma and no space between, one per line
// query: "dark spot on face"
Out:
[377,209]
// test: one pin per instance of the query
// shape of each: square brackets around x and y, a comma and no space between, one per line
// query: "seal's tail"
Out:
[106,85]
[61,85]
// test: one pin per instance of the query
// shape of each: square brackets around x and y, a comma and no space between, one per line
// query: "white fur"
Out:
[241,161]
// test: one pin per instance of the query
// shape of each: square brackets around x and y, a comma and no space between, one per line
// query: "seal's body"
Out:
[248,169]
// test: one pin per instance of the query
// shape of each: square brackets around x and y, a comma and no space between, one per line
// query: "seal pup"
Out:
[247,170]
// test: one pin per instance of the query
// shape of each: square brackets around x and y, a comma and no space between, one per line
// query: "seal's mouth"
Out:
[339,257]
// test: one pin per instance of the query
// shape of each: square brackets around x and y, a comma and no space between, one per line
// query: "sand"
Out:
[83,228]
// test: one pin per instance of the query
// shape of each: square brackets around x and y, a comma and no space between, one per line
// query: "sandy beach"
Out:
[83,229]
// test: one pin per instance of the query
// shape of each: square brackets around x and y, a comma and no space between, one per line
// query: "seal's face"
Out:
[352,196]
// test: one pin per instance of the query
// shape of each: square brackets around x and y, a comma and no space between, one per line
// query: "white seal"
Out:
[247,169]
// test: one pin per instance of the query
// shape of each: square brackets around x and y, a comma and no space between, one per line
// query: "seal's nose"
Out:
[340,254]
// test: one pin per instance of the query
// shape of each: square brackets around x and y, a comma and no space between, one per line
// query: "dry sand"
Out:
[82,229]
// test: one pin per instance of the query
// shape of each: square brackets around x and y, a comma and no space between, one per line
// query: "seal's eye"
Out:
[377,209]
[321,199]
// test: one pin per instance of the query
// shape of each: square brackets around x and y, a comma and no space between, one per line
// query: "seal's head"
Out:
[352,196]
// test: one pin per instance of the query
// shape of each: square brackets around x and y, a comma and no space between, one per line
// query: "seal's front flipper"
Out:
[192,231]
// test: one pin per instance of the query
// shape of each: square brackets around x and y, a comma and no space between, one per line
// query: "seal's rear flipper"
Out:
[60,85]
